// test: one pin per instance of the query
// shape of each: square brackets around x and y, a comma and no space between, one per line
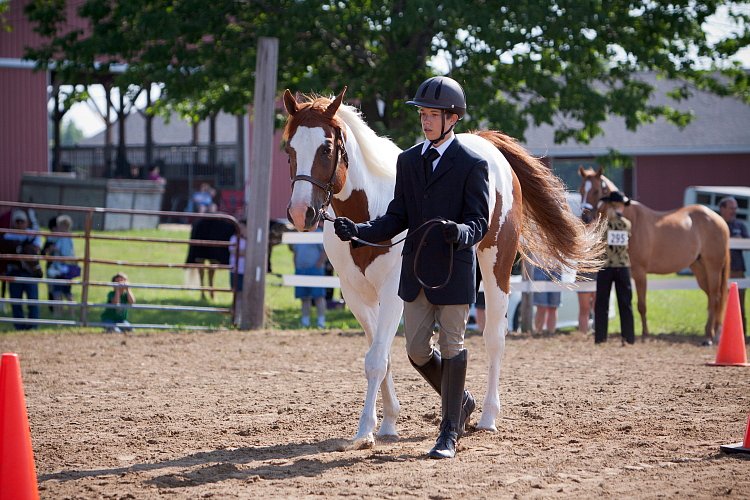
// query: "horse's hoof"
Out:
[488,428]
[387,438]
[387,431]
[485,425]
[363,443]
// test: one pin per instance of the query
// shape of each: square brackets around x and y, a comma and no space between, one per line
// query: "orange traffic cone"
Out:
[731,350]
[743,447]
[17,474]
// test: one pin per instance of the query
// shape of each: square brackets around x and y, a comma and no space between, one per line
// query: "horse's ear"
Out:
[334,106]
[599,171]
[581,171]
[290,103]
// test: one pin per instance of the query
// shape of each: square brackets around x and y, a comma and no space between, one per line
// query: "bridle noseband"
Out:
[339,150]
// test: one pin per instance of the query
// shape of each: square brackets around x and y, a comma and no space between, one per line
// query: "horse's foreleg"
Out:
[391,307]
[496,327]
[366,313]
[640,287]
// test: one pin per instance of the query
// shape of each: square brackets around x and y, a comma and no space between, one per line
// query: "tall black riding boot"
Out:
[452,392]
[432,372]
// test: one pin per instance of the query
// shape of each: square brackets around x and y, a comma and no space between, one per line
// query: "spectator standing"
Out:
[616,270]
[117,318]
[728,211]
[546,303]
[310,260]
[61,247]
[31,245]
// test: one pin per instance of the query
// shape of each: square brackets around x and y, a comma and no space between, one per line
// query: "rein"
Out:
[430,224]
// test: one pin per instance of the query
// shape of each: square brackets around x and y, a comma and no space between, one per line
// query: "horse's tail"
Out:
[555,235]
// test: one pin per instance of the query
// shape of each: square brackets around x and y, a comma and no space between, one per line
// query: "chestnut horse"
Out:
[666,242]
[340,167]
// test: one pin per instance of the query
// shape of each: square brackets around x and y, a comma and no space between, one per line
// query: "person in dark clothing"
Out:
[426,180]
[616,270]
[728,211]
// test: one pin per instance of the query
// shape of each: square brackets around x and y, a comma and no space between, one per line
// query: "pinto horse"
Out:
[340,167]
[666,242]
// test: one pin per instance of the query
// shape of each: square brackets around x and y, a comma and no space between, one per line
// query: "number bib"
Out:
[617,238]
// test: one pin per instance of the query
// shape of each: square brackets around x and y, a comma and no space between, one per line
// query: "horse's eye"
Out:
[326,151]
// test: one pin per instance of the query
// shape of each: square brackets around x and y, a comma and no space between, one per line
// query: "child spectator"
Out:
[309,260]
[202,201]
[237,261]
[117,318]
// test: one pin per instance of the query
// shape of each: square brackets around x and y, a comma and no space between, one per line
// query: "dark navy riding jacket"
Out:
[458,190]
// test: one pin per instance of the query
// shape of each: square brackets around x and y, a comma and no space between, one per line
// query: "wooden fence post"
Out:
[259,186]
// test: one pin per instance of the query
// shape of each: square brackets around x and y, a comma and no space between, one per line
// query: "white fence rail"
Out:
[686,283]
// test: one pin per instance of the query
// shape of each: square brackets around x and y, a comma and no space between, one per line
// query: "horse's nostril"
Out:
[310,216]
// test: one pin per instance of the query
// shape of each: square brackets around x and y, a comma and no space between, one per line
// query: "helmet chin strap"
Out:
[443,132]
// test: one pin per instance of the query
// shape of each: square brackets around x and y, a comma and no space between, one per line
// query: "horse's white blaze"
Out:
[305,144]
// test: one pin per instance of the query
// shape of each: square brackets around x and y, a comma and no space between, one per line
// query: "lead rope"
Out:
[430,225]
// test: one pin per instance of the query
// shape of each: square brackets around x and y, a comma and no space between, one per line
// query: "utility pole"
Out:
[259,186]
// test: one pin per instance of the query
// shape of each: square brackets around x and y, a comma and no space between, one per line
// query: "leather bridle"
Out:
[340,156]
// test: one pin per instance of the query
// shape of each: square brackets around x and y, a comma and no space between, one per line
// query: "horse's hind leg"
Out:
[641,286]
[389,317]
[710,285]
[496,327]
[211,282]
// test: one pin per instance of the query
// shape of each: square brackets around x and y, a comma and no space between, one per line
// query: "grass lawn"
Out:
[675,311]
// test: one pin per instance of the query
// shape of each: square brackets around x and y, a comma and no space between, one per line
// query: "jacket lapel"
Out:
[446,162]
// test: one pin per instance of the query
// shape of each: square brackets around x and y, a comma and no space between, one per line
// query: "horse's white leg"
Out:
[391,308]
[366,314]
[494,342]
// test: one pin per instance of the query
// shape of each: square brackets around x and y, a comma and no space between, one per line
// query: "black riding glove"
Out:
[451,232]
[345,228]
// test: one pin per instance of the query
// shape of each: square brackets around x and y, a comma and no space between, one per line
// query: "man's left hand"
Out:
[451,232]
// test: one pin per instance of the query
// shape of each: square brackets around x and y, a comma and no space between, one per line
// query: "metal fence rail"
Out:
[85,306]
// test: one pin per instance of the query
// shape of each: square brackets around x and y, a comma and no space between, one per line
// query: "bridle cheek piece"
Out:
[340,156]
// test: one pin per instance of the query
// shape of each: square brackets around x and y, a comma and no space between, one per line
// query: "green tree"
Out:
[71,134]
[521,63]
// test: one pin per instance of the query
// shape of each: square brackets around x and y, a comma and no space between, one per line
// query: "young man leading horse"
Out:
[438,178]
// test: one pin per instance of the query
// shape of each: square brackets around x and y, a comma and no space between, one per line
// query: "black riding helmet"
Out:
[441,92]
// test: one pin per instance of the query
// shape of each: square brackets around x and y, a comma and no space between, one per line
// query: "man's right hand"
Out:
[345,228]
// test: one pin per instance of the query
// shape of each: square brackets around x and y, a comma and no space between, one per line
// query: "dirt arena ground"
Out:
[264,415]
